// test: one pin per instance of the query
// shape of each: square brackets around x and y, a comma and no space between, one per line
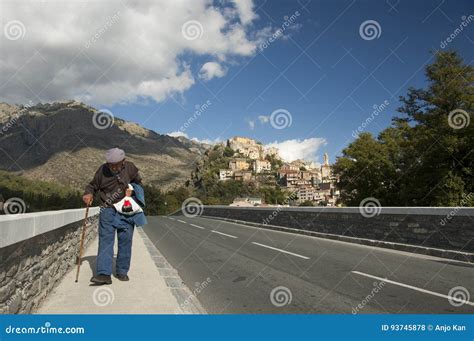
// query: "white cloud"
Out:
[245,9]
[195,139]
[106,52]
[263,119]
[251,124]
[208,141]
[177,134]
[307,149]
[210,70]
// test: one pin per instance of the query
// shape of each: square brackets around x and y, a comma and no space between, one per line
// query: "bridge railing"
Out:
[444,231]
[36,250]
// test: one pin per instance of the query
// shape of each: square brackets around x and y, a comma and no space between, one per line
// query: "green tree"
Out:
[228,152]
[426,157]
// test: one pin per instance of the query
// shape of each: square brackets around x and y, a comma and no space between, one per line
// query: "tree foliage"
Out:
[425,158]
[38,195]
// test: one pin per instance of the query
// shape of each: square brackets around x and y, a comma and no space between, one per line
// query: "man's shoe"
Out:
[122,277]
[101,279]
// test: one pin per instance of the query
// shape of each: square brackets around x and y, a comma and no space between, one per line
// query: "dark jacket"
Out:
[111,187]
[137,219]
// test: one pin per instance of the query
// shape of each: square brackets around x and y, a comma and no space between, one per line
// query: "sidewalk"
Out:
[154,287]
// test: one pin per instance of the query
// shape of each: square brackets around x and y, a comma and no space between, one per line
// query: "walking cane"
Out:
[83,234]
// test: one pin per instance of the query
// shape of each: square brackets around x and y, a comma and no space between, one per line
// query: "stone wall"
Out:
[443,228]
[32,267]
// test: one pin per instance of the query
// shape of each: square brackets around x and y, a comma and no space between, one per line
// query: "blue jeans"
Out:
[105,255]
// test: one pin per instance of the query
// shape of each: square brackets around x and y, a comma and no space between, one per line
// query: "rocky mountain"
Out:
[64,142]
[198,147]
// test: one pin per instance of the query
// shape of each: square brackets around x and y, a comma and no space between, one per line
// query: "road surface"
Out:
[234,268]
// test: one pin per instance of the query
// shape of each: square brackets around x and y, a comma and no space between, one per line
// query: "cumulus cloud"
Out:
[307,149]
[208,141]
[178,134]
[210,70]
[107,52]
[195,139]
[245,9]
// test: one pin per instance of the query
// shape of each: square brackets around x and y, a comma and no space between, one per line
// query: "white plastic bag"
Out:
[127,205]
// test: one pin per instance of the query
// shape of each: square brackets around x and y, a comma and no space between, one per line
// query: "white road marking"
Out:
[224,234]
[274,248]
[182,221]
[199,227]
[171,218]
[415,288]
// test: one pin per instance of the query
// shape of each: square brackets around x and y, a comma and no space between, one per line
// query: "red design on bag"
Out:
[127,206]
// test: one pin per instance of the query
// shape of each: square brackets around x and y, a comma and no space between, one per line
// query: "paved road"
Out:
[306,274]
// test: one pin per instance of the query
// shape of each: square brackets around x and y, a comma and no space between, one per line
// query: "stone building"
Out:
[260,166]
[238,164]
[225,174]
[243,175]
[246,146]
[326,168]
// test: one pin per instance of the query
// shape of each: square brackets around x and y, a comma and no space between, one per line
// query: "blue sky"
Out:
[325,62]
[321,70]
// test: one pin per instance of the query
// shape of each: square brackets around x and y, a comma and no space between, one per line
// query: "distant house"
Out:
[288,168]
[260,166]
[306,193]
[321,195]
[243,175]
[225,174]
[238,164]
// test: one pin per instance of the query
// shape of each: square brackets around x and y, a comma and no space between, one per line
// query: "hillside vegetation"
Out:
[38,195]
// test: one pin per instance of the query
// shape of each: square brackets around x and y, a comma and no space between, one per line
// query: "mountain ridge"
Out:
[64,142]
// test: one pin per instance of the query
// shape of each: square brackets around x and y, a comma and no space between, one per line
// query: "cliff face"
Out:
[64,142]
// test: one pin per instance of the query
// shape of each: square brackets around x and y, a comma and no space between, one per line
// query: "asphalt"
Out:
[236,268]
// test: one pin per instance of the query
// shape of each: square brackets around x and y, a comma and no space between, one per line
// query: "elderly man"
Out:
[111,182]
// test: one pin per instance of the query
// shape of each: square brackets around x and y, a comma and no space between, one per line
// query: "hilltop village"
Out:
[308,183]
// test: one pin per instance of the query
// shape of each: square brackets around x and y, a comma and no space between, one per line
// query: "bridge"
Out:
[222,259]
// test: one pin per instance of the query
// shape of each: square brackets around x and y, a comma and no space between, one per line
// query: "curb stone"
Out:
[188,302]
